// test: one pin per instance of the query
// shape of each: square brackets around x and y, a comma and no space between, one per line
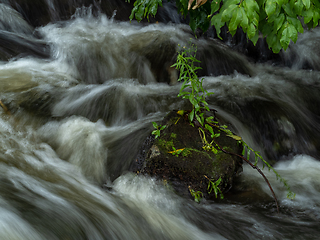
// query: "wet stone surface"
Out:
[177,157]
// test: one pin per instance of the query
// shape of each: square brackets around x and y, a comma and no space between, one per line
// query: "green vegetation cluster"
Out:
[192,89]
[186,60]
[197,95]
[278,20]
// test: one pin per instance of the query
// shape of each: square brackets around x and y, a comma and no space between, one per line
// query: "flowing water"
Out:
[78,118]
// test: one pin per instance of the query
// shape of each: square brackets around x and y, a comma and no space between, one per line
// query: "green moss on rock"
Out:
[181,160]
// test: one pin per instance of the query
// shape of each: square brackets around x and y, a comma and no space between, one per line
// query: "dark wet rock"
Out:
[12,21]
[17,37]
[15,45]
[41,12]
[192,168]
[38,100]
[218,59]
[160,51]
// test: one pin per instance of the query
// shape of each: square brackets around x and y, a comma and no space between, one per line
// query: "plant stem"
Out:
[254,167]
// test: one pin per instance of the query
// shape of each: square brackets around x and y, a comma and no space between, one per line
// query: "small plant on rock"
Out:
[214,186]
[198,195]
[158,128]
[186,60]
[188,74]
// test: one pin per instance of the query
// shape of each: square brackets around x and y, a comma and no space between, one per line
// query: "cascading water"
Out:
[78,118]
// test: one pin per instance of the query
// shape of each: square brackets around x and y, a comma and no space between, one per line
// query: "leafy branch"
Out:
[197,95]
[279,21]
[144,8]
[198,195]
[186,60]
[214,186]
[247,149]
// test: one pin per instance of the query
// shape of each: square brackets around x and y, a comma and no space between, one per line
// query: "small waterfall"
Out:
[80,109]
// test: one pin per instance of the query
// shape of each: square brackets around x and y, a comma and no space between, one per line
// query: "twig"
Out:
[4,108]
[254,167]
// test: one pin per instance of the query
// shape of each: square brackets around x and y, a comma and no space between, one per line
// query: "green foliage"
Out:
[247,150]
[279,21]
[167,145]
[185,63]
[198,195]
[144,8]
[173,135]
[208,146]
[186,60]
[158,128]
[214,186]
[176,152]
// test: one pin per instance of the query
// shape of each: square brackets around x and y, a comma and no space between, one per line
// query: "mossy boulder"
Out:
[178,158]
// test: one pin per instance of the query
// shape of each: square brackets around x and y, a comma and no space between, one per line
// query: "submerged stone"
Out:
[178,158]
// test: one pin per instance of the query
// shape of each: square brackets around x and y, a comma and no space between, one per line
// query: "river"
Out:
[80,102]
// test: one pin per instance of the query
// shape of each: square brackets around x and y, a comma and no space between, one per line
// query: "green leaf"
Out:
[210,119]
[265,27]
[293,33]
[140,12]
[155,125]
[255,19]
[274,42]
[133,12]
[288,9]
[285,40]
[251,31]
[199,119]
[217,23]
[296,23]
[227,13]
[248,153]
[209,128]
[251,8]
[235,19]
[306,3]
[215,5]
[191,116]
[153,8]
[270,7]
[289,32]
[281,2]
[279,21]
[252,5]
[192,100]
[316,17]
[244,19]
[235,137]
[298,7]
[307,15]
[198,19]
[255,38]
